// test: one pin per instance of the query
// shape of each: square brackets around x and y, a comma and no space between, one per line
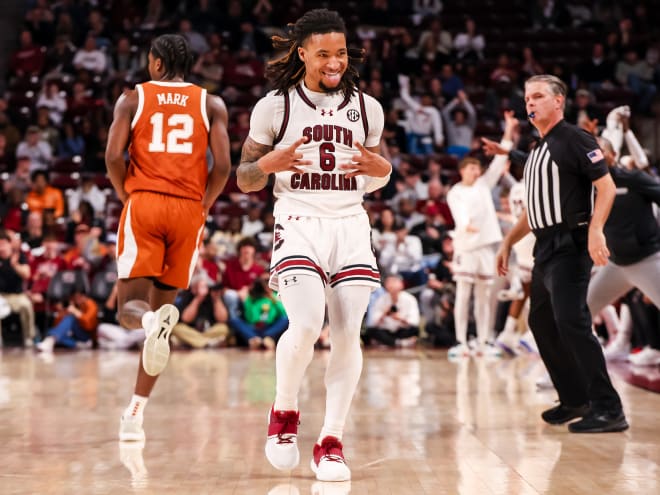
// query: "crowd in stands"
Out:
[444,73]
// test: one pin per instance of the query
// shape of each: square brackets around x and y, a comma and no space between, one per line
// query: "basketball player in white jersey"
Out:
[476,234]
[319,135]
[510,339]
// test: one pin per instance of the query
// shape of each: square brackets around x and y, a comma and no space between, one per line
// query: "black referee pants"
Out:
[561,323]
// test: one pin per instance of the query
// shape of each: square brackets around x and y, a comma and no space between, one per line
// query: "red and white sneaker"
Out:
[328,462]
[282,442]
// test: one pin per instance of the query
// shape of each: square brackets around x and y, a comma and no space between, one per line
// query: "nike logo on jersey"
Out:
[172,99]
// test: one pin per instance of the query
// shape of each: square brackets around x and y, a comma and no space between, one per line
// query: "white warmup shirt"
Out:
[473,205]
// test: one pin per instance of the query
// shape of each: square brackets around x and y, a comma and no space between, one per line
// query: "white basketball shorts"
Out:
[477,265]
[337,250]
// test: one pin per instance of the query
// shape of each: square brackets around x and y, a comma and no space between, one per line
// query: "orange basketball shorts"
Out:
[159,237]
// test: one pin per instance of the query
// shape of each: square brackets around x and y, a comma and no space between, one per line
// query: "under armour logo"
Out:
[325,112]
[290,281]
[162,329]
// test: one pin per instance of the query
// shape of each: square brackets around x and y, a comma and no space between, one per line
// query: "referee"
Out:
[568,225]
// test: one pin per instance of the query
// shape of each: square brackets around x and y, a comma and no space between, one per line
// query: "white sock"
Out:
[461,308]
[510,325]
[482,311]
[137,405]
[304,303]
[515,284]
[346,308]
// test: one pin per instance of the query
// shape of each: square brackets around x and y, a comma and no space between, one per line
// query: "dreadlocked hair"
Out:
[288,70]
[175,54]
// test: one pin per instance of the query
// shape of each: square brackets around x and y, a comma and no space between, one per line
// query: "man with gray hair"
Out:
[559,174]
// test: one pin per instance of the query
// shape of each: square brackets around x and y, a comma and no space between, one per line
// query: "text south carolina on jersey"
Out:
[316,181]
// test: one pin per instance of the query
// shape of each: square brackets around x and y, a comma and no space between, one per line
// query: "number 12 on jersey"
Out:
[180,128]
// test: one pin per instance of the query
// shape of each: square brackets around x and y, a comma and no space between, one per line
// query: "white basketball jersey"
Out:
[517,199]
[332,124]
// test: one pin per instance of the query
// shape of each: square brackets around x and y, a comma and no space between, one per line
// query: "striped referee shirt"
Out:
[558,178]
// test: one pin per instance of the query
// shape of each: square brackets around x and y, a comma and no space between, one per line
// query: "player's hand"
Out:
[366,163]
[502,259]
[598,247]
[285,159]
[510,120]
[625,121]
[491,147]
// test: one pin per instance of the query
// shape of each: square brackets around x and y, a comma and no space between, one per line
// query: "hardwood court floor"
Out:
[419,425]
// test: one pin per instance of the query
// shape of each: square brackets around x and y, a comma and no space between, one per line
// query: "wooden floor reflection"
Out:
[419,425]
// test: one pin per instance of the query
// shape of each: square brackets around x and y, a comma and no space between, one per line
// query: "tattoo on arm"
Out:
[250,176]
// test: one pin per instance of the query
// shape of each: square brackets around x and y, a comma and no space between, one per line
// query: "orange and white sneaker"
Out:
[328,461]
[282,442]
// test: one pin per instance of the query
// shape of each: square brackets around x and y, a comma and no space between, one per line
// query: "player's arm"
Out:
[519,230]
[259,160]
[606,192]
[249,175]
[219,142]
[118,136]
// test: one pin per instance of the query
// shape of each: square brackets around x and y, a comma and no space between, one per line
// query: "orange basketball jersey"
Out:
[169,138]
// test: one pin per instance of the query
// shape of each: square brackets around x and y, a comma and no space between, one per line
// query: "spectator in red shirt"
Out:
[11,213]
[28,60]
[43,267]
[239,275]
[244,71]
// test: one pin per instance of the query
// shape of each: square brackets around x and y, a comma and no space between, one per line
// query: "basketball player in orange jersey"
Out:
[167,190]
[319,135]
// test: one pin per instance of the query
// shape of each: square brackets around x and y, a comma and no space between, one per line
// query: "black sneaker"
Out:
[600,422]
[560,414]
